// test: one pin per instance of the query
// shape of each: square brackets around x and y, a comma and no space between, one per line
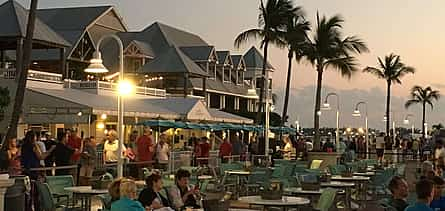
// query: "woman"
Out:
[127,197]
[32,154]
[150,196]
[162,152]
[181,194]
[13,157]
[287,148]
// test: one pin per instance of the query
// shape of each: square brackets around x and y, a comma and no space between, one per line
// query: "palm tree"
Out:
[295,37]
[424,96]
[392,69]
[272,22]
[22,71]
[326,49]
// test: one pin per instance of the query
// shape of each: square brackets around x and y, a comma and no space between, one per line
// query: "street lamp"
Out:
[124,88]
[356,113]
[406,122]
[327,106]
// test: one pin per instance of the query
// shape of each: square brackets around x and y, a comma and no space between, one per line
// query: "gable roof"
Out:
[254,59]
[198,53]
[144,47]
[222,56]
[237,60]
[173,61]
[71,19]
[14,21]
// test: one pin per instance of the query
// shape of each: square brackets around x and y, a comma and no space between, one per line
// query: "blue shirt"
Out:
[419,207]
[438,203]
[127,204]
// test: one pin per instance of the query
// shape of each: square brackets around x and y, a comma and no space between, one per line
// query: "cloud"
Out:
[301,107]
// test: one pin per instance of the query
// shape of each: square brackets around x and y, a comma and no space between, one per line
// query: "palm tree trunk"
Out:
[423,119]
[288,79]
[263,83]
[23,71]
[388,106]
[317,108]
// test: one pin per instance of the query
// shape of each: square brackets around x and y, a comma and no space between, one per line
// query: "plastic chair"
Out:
[57,184]
[337,169]
[105,200]
[315,164]
[47,202]
[326,200]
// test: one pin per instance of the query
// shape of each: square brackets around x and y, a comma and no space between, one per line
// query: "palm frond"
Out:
[411,102]
[375,71]
[347,66]
[247,36]
[355,44]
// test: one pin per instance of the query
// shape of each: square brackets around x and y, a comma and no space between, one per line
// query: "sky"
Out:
[410,28]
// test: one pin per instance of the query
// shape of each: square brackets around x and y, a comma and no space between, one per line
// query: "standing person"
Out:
[192,141]
[111,147]
[237,146]
[31,154]
[415,147]
[41,145]
[399,190]
[145,147]
[162,152]
[204,151]
[225,150]
[439,152]
[287,148]
[13,157]
[328,146]
[182,194]
[75,142]
[380,148]
[425,194]
[88,157]
[63,154]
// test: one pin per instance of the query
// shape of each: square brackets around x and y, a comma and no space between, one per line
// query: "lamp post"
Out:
[96,66]
[406,122]
[357,113]
[327,106]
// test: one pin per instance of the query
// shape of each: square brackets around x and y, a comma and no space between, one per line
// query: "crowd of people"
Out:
[181,195]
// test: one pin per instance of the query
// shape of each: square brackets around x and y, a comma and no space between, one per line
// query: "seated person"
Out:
[399,190]
[426,168]
[150,196]
[438,202]
[425,194]
[127,196]
[181,194]
[114,191]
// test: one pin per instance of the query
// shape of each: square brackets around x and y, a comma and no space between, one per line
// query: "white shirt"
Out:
[110,150]
[438,153]
[43,150]
[162,153]
[380,143]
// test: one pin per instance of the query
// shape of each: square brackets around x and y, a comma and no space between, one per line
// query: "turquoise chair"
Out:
[337,169]
[327,199]
[47,202]
[57,184]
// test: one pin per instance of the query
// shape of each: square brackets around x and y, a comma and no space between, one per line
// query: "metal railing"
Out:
[109,86]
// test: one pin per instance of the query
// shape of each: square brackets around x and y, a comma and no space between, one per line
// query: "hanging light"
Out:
[96,64]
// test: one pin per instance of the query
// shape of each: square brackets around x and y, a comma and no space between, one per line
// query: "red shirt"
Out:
[144,143]
[204,149]
[225,149]
[75,142]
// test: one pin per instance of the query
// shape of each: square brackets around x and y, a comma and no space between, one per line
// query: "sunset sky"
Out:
[414,29]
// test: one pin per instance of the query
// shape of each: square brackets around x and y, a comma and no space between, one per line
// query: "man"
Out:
[425,194]
[225,150]
[63,154]
[192,141]
[111,146]
[438,202]
[399,190]
[328,146]
[380,148]
[75,142]
[182,194]
[145,146]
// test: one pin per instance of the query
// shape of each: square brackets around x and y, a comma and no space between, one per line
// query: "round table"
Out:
[285,202]
[85,193]
[365,174]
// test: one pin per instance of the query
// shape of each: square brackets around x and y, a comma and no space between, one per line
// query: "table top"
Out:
[337,184]
[285,201]
[299,190]
[239,172]
[86,190]
[204,177]
[369,173]
[353,178]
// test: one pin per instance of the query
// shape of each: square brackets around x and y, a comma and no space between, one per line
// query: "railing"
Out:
[10,73]
[103,85]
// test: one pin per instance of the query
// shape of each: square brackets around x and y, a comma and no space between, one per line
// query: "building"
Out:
[165,62]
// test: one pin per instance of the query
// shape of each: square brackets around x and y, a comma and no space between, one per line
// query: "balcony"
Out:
[33,75]
[108,86]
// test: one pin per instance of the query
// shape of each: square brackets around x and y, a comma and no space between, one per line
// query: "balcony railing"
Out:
[10,73]
[103,85]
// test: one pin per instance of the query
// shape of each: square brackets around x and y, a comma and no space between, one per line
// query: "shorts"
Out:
[379,152]
[86,170]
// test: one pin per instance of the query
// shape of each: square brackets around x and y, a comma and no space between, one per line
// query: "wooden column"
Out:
[63,63]
[186,79]
[19,56]
[204,89]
